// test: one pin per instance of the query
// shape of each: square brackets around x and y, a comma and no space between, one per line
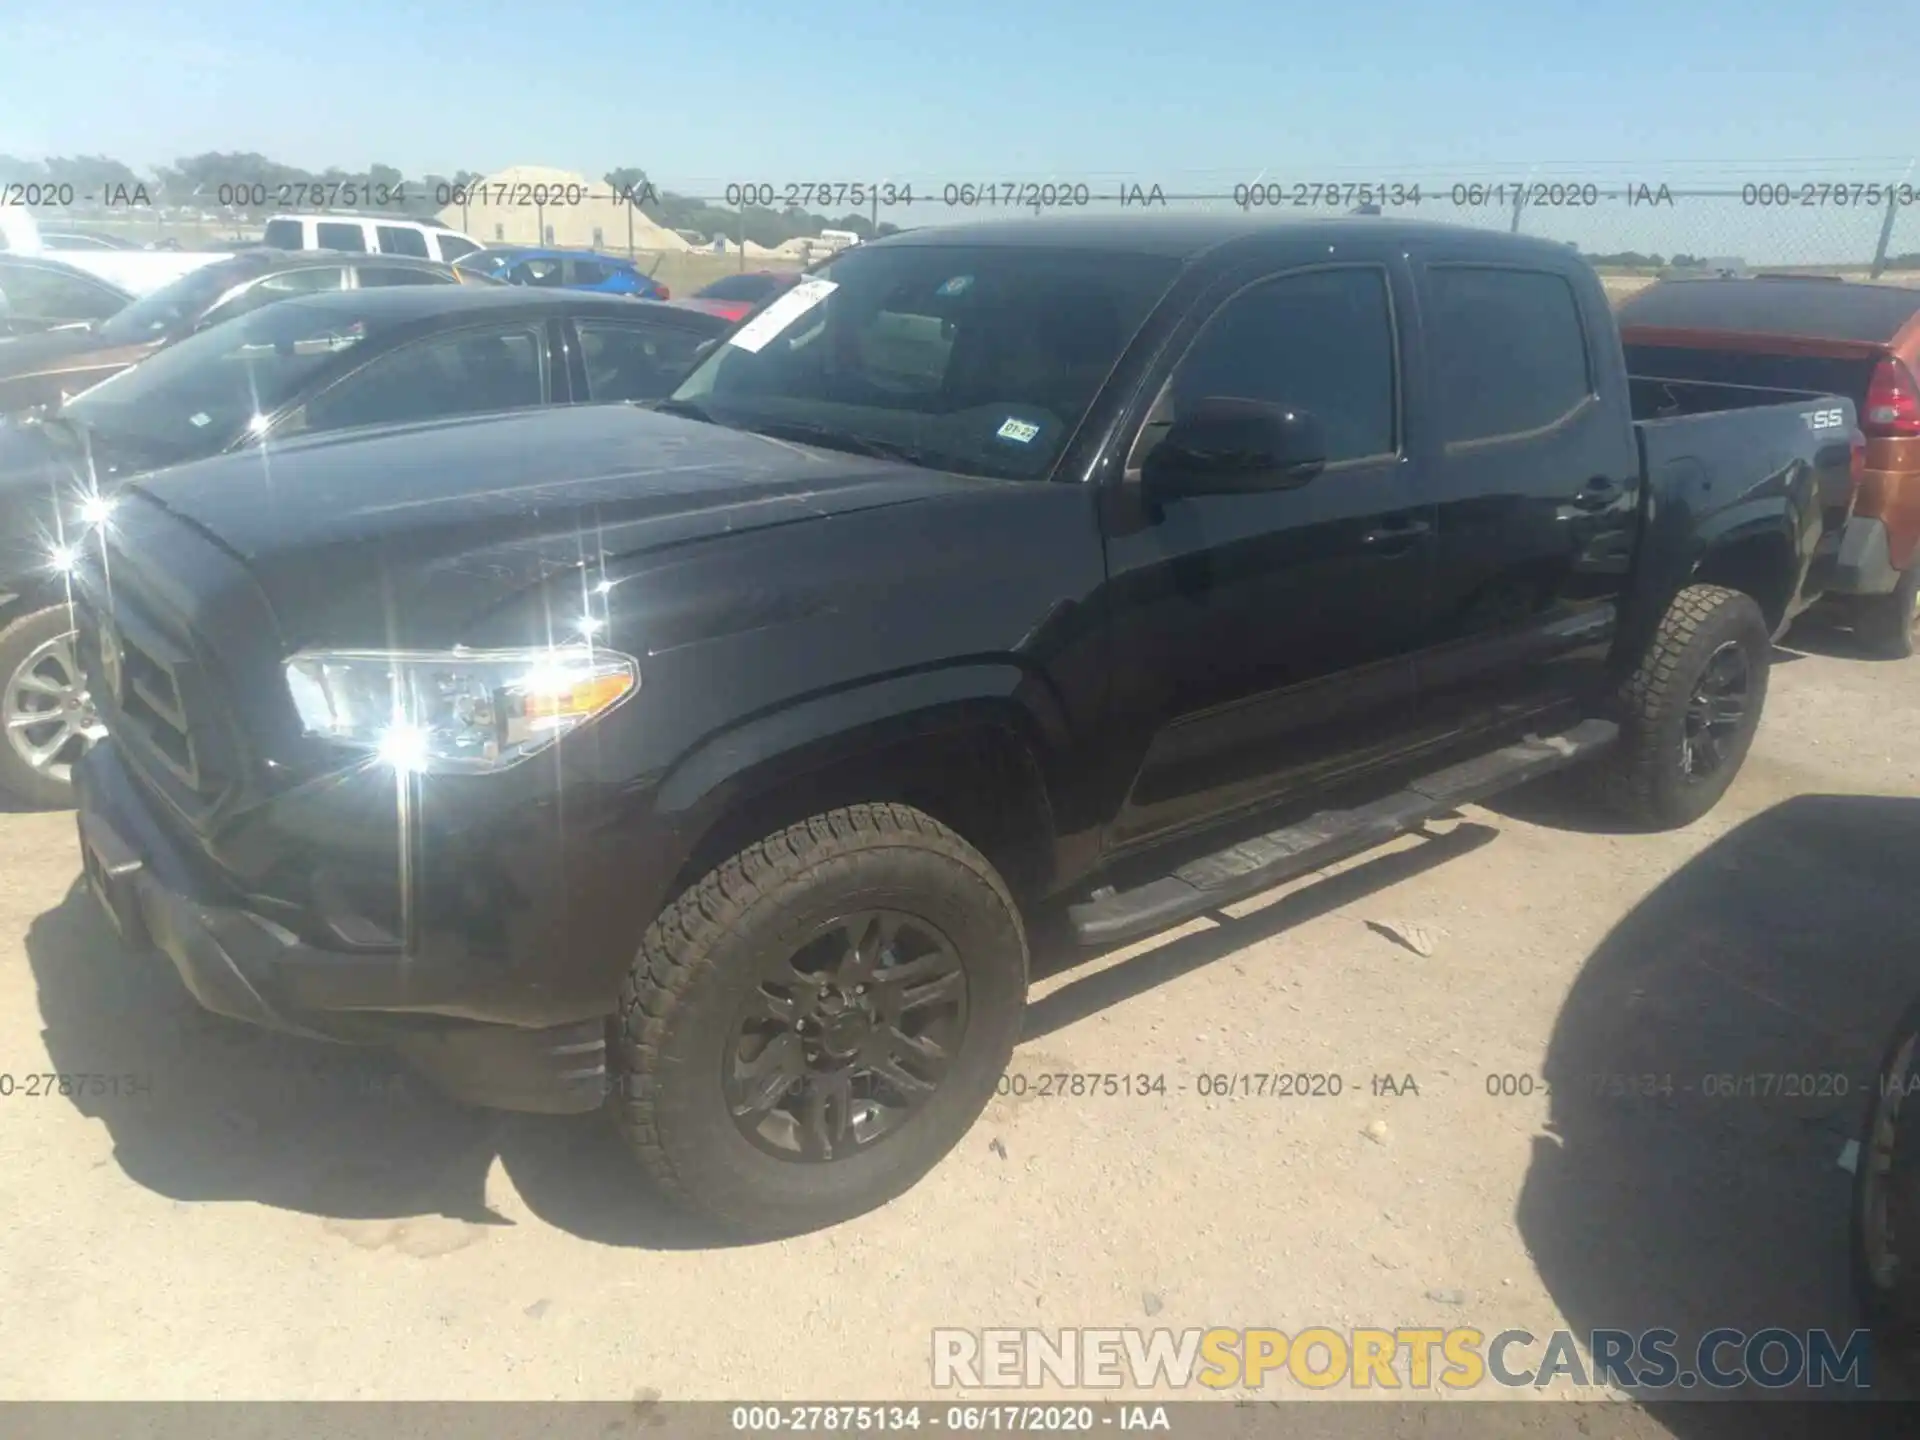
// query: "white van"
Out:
[369,235]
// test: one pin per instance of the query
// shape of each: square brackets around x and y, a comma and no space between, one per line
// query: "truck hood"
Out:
[412,535]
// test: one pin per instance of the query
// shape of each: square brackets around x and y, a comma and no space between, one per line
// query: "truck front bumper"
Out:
[239,964]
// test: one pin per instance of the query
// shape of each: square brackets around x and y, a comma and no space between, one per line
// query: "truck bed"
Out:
[1704,445]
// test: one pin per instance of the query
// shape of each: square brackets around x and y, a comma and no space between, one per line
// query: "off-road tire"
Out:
[19,780]
[1891,1303]
[1644,777]
[699,958]
[1888,625]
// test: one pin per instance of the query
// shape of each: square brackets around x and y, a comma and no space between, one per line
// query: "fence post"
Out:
[1886,234]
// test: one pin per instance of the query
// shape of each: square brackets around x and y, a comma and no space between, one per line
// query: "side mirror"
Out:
[1228,446]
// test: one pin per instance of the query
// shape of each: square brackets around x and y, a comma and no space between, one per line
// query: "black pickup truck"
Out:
[714,757]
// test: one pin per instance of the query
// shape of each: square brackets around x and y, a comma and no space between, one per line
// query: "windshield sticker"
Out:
[201,419]
[759,331]
[1022,431]
[958,285]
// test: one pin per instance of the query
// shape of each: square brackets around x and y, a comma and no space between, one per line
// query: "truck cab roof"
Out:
[1192,236]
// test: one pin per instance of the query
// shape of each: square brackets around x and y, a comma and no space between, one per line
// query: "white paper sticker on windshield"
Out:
[754,335]
[200,419]
[1020,430]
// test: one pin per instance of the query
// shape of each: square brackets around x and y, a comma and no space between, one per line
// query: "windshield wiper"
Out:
[828,438]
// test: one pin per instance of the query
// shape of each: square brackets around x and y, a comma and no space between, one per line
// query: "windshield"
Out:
[981,359]
[173,306]
[198,397]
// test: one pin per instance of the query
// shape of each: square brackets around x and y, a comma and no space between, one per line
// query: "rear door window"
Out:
[372,276]
[282,235]
[401,240]
[635,362]
[341,235]
[537,272]
[1509,353]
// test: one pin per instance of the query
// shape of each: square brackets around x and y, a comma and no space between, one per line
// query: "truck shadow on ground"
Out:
[1710,1063]
[224,1111]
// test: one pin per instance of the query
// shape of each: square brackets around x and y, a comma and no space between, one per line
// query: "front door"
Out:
[1262,641]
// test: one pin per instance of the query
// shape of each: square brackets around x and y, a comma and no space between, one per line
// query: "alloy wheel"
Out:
[47,714]
[846,1039]
[1716,712]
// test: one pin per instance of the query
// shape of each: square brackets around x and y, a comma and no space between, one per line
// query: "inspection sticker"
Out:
[757,332]
[1020,430]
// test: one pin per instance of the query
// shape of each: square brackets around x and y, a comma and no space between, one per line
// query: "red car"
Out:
[734,296]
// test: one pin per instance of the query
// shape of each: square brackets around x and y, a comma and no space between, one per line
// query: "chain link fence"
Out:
[1633,230]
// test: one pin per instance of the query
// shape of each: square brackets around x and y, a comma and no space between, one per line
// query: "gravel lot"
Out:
[280,1219]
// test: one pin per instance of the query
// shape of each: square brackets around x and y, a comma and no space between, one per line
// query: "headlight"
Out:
[456,710]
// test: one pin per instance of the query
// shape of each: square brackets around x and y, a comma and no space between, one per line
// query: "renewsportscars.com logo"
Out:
[1404,1358]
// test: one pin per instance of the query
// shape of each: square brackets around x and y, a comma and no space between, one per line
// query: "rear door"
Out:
[1533,470]
[1263,641]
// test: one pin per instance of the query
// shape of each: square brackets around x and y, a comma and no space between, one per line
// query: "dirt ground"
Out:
[278,1219]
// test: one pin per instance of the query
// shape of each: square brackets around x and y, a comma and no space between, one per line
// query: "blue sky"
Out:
[1191,93]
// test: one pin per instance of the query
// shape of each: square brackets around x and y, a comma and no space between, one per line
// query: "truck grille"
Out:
[156,697]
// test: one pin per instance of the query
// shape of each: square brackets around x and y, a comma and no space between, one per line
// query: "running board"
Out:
[1280,855]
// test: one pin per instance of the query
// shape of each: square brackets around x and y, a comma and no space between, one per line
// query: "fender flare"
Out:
[817,731]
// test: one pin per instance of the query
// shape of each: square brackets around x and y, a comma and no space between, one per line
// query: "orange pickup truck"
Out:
[1829,336]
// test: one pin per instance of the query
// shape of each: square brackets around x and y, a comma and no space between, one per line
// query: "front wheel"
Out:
[812,1025]
[1690,708]
[47,719]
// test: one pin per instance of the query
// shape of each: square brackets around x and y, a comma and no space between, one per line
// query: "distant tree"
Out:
[627,180]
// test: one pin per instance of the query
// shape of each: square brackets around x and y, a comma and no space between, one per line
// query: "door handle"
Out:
[1395,536]
[1597,494]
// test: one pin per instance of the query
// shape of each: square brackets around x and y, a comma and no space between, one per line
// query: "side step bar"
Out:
[1280,855]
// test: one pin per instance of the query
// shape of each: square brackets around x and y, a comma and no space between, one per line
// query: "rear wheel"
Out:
[811,1026]
[47,719]
[1889,625]
[1690,708]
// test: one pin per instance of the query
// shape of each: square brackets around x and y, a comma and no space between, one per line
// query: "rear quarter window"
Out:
[282,234]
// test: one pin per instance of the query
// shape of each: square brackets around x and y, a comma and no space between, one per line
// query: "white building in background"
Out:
[537,205]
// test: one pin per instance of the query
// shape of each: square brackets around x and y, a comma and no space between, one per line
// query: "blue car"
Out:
[565,270]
